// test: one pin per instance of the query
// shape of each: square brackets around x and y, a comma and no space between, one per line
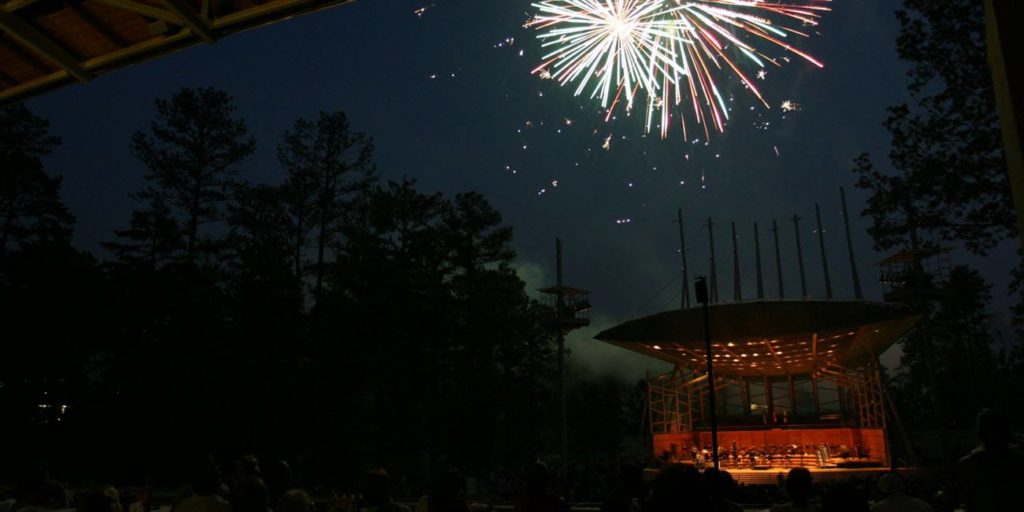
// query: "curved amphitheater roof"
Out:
[768,337]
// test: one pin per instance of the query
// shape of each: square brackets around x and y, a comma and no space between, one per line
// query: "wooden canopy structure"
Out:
[45,44]
[768,337]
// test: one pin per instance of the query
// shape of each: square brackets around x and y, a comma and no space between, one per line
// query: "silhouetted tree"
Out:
[952,359]
[30,205]
[948,175]
[946,182]
[153,237]
[328,165]
[267,295]
[192,151]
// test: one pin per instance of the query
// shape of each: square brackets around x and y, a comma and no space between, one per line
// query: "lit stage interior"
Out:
[797,383]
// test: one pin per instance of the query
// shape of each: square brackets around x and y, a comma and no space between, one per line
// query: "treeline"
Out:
[331,319]
[943,185]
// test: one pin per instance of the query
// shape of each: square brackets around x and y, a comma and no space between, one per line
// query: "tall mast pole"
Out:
[560,306]
[757,254]
[714,271]
[849,248]
[685,303]
[778,259]
[737,286]
[824,256]
[800,256]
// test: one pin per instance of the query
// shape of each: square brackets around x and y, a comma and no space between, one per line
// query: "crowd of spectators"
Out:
[984,482]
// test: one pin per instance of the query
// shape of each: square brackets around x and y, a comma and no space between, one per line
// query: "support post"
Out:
[702,297]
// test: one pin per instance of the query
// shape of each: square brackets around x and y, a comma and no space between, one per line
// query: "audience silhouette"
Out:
[987,476]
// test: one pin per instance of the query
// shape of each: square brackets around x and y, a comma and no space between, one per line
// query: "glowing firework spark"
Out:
[669,50]
[789,106]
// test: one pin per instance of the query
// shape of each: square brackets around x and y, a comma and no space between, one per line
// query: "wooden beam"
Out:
[25,55]
[33,38]
[4,77]
[141,9]
[95,24]
[771,350]
[196,23]
[14,5]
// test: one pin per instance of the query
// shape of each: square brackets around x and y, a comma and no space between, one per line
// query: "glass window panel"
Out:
[781,399]
[828,397]
[732,400]
[804,389]
[758,397]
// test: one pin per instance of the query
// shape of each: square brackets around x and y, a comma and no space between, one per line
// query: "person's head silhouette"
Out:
[993,429]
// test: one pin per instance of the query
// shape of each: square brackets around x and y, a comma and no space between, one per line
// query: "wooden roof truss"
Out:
[48,43]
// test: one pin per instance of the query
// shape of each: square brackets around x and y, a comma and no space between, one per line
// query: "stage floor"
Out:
[775,476]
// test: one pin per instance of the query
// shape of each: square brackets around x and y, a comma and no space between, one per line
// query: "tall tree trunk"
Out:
[193,221]
[321,244]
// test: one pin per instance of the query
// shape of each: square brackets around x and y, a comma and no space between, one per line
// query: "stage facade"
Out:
[797,383]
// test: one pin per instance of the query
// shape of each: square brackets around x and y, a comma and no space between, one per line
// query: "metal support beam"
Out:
[31,37]
[198,25]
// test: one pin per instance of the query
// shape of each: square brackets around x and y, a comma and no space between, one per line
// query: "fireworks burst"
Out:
[669,53]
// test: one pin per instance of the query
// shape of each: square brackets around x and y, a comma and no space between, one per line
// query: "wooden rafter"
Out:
[95,24]
[146,10]
[771,350]
[14,5]
[26,34]
[196,23]
[56,54]
[24,55]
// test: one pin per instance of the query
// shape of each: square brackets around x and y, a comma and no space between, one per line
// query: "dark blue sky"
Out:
[466,129]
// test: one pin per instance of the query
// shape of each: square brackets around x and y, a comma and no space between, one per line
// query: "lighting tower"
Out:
[570,307]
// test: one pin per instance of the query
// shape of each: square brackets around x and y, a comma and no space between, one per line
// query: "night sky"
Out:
[452,105]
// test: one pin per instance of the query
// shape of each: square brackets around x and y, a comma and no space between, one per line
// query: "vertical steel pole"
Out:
[800,256]
[682,253]
[849,248]
[778,260]
[757,255]
[824,256]
[737,284]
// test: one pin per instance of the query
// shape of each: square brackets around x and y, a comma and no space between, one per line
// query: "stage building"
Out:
[797,381]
